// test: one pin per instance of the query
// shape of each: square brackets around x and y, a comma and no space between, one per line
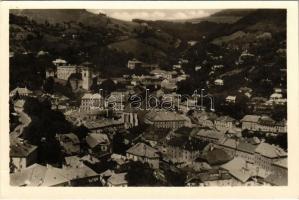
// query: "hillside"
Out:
[78,36]
[228,16]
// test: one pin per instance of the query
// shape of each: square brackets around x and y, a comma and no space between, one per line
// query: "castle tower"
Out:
[86,78]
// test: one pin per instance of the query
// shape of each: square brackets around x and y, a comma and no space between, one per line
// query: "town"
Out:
[178,124]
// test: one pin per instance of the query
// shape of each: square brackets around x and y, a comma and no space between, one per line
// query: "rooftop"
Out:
[21,149]
[270,151]
[276,179]
[225,119]
[143,150]
[250,118]
[94,139]
[208,133]
[38,175]
[117,179]
[243,171]
[283,162]
[91,96]
[164,116]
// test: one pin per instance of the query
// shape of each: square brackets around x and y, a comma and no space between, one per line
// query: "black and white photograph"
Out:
[148,97]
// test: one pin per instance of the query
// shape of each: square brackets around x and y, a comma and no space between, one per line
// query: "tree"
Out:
[140,174]
[49,85]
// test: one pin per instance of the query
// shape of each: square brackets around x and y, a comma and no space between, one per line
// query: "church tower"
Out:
[86,78]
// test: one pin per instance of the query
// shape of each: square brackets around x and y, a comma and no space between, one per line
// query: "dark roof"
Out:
[216,157]
[246,147]
[275,179]
[188,144]
[155,134]
[21,149]
[213,175]
[184,131]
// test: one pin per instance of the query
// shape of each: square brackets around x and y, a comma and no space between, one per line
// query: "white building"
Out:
[219,82]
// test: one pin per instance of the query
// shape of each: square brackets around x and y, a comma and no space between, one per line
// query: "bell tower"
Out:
[86,78]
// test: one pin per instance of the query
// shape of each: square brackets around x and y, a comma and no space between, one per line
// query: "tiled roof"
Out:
[21,149]
[58,60]
[278,180]
[102,123]
[38,175]
[21,91]
[246,147]
[282,163]
[250,118]
[91,96]
[143,150]
[228,142]
[155,134]
[118,179]
[216,157]
[74,138]
[209,133]
[164,116]
[93,139]
[270,151]
[242,171]
[225,119]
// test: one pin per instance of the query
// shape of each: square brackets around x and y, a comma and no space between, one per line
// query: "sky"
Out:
[155,14]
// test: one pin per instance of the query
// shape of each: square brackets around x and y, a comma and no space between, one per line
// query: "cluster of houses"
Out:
[206,147]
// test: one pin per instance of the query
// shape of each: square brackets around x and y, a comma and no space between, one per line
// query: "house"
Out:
[279,175]
[183,61]
[216,67]
[155,136]
[182,147]
[177,66]
[263,123]
[159,73]
[230,99]
[246,91]
[19,105]
[277,98]
[145,154]
[206,134]
[22,92]
[267,154]
[132,64]
[169,85]
[224,122]
[219,82]
[59,62]
[212,177]
[22,154]
[214,156]
[65,71]
[104,125]
[227,144]
[41,53]
[244,173]
[203,118]
[246,151]
[69,143]
[197,68]
[99,144]
[78,173]
[117,180]
[91,102]
[164,119]
[39,175]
